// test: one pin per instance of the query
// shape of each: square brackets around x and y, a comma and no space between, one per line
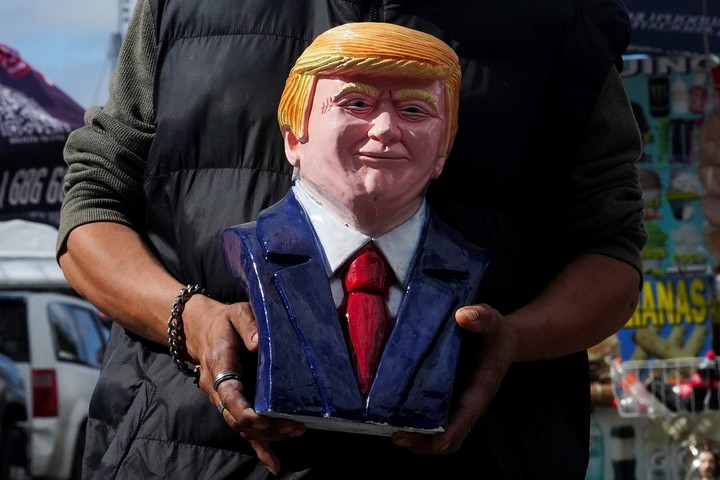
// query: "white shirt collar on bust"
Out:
[340,241]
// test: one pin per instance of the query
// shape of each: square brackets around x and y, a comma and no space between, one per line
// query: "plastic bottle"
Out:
[659,96]
[656,445]
[645,402]
[597,451]
[680,97]
[698,93]
[622,452]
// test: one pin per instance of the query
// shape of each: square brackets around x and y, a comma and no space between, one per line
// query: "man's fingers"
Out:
[242,416]
[476,318]
[244,323]
[439,444]
[266,455]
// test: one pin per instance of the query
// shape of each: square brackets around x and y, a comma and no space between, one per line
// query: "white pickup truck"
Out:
[57,342]
[14,439]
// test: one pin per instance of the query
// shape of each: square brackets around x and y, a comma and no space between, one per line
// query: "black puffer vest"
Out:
[531,74]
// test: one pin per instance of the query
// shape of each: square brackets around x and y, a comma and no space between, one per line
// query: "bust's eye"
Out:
[414,111]
[356,104]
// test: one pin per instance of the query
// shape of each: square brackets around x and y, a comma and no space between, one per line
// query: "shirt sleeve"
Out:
[107,156]
[604,196]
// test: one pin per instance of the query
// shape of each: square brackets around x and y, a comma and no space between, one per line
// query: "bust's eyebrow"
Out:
[356,87]
[418,94]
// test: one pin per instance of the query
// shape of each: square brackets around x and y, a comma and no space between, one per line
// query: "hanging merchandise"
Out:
[709,160]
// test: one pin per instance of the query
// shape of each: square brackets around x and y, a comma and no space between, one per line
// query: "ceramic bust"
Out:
[368,116]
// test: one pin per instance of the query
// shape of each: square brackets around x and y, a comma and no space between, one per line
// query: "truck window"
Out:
[78,337]
[13,330]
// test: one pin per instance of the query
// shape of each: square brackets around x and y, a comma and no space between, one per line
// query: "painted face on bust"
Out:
[373,145]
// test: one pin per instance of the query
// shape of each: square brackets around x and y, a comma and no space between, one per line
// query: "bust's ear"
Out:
[443,153]
[439,165]
[293,147]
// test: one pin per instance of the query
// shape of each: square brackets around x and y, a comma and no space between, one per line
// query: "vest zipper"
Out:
[371,10]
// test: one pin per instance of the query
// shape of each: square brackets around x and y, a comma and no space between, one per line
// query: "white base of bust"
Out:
[350,426]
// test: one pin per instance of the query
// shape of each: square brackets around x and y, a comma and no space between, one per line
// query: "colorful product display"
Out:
[671,105]
[666,380]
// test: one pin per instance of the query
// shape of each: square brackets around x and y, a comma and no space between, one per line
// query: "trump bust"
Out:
[352,278]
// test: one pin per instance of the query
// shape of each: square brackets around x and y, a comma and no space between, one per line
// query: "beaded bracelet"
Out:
[176,334]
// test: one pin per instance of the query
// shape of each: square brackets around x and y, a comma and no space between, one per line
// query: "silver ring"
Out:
[221,408]
[225,375]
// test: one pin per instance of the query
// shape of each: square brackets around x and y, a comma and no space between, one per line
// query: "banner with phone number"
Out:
[35,119]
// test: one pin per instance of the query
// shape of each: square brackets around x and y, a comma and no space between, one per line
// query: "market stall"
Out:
[35,119]
[655,383]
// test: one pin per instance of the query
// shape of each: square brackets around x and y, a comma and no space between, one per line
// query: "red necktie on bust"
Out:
[366,286]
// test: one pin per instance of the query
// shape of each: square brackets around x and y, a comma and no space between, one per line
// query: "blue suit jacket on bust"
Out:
[305,370]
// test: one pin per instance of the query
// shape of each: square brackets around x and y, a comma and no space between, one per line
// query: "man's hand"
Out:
[496,351]
[218,335]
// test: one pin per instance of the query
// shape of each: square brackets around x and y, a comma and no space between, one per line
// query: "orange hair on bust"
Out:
[364,49]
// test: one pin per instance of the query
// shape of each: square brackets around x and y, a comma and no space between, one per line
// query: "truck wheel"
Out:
[14,459]
[76,473]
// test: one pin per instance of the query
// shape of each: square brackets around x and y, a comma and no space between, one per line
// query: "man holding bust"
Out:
[368,116]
